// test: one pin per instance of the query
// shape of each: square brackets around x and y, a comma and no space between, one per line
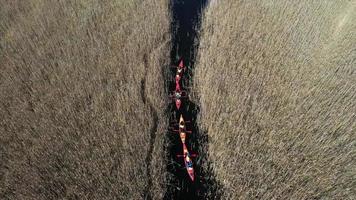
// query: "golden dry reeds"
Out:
[80,98]
[276,83]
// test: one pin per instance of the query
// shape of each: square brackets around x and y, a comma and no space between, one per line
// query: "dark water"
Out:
[186,23]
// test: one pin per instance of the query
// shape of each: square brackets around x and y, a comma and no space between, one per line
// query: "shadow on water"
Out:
[186,23]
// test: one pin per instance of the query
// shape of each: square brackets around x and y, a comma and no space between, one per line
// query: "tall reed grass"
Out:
[276,83]
[80,94]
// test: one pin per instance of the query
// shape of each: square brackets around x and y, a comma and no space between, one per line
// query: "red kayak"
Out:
[182,129]
[179,74]
[188,161]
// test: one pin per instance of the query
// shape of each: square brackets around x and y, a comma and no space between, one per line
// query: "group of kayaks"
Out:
[178,94]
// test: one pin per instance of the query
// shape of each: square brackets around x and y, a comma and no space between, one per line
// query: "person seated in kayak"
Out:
[178,95]
[190,164]
[182,134]
[177,78]
[181,125]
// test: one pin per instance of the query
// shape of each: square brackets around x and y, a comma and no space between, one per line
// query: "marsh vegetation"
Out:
[276,84]
[80,99]
[83,92]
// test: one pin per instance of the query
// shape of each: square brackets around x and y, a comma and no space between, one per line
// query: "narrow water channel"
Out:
[186,22]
